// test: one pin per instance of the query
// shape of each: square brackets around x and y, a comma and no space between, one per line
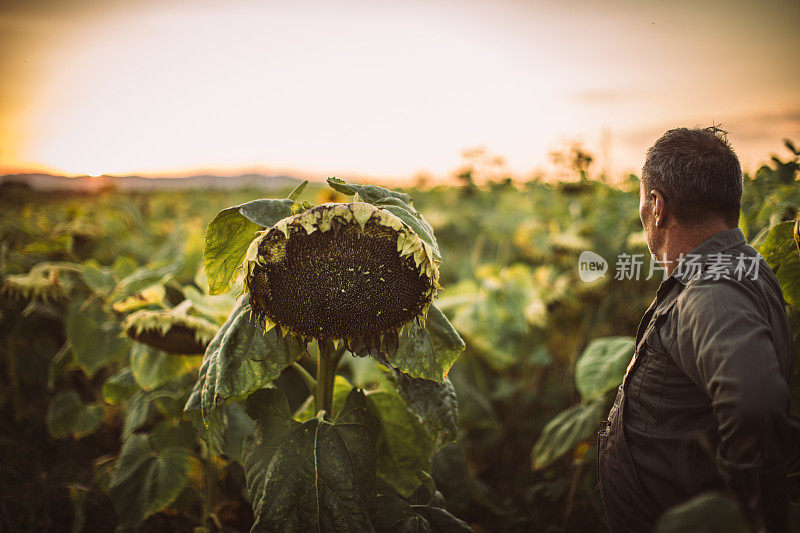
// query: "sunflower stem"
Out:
[326,373]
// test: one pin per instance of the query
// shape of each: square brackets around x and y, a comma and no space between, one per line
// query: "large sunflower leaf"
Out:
[227,238]
[371,194]
[312,476]
[427,352]
[602,365]
[94,336]
[404,447]
[267,211]
[146,481]
[240,359]
[434,403]
[231,232]
[68,415]
[568,429]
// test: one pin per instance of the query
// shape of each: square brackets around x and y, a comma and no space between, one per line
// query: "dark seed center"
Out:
[343,283]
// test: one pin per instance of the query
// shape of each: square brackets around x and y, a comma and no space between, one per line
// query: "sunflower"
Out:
[343,272]
[172,331]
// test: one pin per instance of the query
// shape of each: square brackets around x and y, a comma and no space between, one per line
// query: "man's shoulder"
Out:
[730,282]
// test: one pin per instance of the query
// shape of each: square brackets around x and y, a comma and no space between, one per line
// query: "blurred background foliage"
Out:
[544,349]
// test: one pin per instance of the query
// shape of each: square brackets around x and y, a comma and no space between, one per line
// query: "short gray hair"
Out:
[697,172]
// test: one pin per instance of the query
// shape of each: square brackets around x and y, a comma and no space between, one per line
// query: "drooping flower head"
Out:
[173,332]
[353,272]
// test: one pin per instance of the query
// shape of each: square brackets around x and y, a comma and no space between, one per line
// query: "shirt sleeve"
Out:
[724,344]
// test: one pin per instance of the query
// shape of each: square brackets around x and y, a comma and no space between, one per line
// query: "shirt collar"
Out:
[719,242]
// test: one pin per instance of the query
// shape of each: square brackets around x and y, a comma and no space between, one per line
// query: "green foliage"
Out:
[147,480]
[565,431]
[241,358]
[602,365]
[399,204]
[119,387]
[94,336]
[433,402]
[404,446]
[516,334]
[229,235]
[778,246]
[710,512]
[311,476]
[152,368]
[227,239]
[67,415]
[427,352]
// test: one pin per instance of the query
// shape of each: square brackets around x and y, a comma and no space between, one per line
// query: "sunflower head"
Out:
[352,272]
[175,333]
[43,282]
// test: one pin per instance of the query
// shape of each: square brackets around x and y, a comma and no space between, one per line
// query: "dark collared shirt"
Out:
[705,401]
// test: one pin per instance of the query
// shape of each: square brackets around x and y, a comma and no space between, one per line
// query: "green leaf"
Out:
[371,194]
[565,431]
[68,415]
[152,368]
[295,194]
[146,481]
[173,434]
[397,203]
[710,512]
[94,336]
[146,276]
[100,280]
[225,431]
[136,413]
[404,447]
[267,211]
[239,427]
[602,365]
[240,359]
[231,232]
[119,387]
[434,403]
[227,239]
[393,514]
[427,352]
[779,249]
[312,476]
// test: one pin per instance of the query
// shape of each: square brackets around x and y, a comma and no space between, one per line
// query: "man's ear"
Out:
[659,208]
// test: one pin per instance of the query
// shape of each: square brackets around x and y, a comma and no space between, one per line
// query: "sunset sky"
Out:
[384,89]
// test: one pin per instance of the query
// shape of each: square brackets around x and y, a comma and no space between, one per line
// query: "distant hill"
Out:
[49,182]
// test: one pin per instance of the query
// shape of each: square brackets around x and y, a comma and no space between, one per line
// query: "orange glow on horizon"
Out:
[382,91]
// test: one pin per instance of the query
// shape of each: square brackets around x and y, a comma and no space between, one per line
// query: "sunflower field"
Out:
[336,357]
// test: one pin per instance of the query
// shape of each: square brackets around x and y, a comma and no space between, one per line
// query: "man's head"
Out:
[691,181]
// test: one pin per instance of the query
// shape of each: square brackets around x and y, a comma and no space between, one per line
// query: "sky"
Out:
[386,90]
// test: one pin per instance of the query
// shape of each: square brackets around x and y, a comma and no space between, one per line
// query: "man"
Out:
[704,403]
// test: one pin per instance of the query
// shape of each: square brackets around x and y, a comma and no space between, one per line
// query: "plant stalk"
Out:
[326,373]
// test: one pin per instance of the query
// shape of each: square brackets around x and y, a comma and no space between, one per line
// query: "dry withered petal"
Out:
[341,271]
